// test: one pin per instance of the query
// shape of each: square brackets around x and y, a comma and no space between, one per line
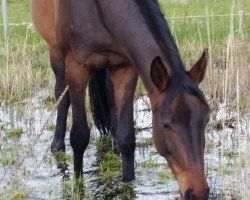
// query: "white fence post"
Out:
[5,20]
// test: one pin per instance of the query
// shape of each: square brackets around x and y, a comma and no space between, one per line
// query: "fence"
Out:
[5,20]
[173,17]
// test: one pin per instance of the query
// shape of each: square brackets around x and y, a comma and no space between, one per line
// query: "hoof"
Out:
[128,179]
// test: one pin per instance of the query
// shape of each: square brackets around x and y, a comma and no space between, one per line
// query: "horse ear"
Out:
[159,74]
[197,72]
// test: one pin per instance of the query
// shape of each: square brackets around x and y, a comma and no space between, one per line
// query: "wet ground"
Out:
[42,178]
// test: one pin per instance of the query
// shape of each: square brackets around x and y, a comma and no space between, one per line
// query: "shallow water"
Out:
[224,156]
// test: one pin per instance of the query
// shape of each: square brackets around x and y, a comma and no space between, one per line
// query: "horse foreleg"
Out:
[77,79]
[124,82]
[58,65]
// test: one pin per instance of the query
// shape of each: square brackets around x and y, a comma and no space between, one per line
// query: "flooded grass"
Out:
[225,163]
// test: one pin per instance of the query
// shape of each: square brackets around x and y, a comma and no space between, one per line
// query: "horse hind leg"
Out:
[124,82]
[58,65]
[77,79]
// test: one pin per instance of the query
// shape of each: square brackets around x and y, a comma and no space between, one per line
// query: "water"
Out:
[224,157]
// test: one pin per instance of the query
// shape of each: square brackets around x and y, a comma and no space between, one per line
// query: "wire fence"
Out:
[172,17]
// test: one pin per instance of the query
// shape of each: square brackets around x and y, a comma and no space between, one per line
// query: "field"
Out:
[27,113]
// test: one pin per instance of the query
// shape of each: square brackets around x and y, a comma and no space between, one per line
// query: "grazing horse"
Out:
[111,42]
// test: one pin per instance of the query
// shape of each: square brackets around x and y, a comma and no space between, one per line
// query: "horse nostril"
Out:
[189,195]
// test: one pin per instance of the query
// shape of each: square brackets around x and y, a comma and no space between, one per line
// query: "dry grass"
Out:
[18,77]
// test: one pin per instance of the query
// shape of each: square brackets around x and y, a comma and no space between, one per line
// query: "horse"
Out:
[106,45]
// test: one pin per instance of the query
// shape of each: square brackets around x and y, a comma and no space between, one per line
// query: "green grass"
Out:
[51,127]
[20,195]
[49,102]
[187,28]
[109,162]
[10,155]
[145,143]
[110,167]
[165,176]
[18,11]
[150,163]
[15,133]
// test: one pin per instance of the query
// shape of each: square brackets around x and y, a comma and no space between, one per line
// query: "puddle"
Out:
[224,157]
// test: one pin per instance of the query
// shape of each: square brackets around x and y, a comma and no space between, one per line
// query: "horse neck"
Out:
[130,29]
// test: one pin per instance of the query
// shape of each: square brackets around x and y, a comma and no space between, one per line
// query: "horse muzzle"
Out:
[190,195]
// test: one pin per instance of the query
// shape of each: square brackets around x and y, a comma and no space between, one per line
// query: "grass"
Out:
[145,143]
[15,133]
[186,29]
[109,162]
[109,173]
[150,163]
[21,195]
[165,176]
[24,70]
[10,157]
[23,15]
[49,102]
[24,62]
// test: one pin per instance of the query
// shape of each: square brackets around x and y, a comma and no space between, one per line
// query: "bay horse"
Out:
[106,45]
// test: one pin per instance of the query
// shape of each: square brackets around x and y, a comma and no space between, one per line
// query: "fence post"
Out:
[5,20]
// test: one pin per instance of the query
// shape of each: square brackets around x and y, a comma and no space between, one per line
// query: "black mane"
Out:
[157,24]
[179,81]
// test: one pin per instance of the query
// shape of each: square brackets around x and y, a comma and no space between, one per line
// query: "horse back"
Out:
[43,17]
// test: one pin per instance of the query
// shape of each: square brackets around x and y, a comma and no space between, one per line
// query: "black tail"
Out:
[99,101]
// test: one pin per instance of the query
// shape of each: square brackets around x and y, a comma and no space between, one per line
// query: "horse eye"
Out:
[166,125]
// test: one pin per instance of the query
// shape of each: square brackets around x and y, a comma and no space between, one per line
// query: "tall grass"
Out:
[24,65]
